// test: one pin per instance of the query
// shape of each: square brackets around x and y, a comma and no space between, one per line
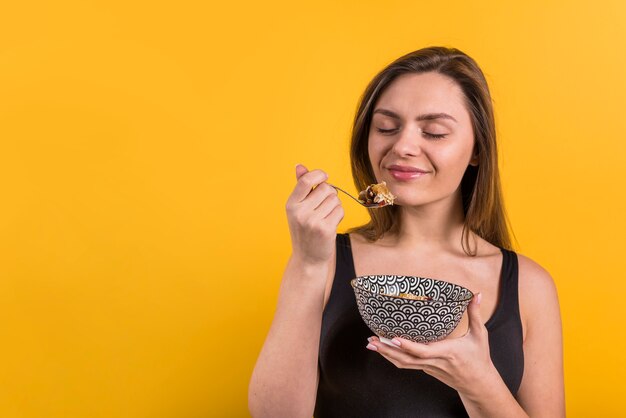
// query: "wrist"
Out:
[302,288]
[306,273]
[307,265]
[483,384]
[490,397]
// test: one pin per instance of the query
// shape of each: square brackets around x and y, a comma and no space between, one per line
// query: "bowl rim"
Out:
[353,284]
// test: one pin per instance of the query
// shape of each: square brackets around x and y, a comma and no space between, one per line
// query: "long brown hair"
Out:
[480,187]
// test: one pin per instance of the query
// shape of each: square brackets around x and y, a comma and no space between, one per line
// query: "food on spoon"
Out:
[377,194]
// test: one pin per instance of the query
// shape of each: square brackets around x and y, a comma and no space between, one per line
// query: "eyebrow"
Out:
[426,116]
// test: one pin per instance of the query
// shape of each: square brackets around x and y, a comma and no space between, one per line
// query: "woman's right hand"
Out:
[313,213]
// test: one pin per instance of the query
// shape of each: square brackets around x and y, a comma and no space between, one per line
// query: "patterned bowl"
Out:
[388,305]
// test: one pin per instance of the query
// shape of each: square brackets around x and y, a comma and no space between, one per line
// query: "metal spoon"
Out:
[362,203]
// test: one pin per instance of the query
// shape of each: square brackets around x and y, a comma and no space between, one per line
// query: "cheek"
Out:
[375,153]
[462,152]
[378,147]
[453,160]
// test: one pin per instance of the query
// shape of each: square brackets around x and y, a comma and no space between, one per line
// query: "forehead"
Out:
[413,94]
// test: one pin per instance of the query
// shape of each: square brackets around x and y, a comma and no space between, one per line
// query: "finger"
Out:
[403,362]
[473,312]
[306,183]
[336,215]
[327,205]
[420,350]
[317,196]
[397,356]
[300,171]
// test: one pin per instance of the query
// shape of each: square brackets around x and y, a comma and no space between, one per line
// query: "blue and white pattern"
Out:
[388,315]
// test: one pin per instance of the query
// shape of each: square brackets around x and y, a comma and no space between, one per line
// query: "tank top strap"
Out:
[344,254]
[507,307]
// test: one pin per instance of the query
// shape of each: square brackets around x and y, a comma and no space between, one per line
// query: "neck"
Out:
[436,226]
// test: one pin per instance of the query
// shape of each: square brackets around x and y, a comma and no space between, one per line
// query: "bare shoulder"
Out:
[538,296]
[357,237]
[534,280]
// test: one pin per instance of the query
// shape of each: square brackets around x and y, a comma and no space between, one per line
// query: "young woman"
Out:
[425,126]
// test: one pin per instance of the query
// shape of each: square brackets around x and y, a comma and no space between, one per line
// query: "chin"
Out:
[409,201]
[407,194]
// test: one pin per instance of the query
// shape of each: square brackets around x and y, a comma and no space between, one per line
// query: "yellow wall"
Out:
[148,147]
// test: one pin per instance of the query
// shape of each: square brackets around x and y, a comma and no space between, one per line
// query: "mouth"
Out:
[403,172]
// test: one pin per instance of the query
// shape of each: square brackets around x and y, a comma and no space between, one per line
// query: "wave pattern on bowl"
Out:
[389,316]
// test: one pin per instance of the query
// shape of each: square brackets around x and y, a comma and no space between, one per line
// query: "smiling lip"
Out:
[402,172]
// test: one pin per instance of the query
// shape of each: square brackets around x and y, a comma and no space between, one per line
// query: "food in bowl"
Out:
[409,296]
[430,313]
[377,194]
[414,297]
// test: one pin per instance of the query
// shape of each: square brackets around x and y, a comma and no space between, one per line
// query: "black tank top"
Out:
[356,382]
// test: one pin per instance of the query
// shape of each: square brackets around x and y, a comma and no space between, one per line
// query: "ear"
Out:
[474,159]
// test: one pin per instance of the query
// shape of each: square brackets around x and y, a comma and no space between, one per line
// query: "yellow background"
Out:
[148,148]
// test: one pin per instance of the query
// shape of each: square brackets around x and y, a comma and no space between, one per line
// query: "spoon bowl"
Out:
[362,203]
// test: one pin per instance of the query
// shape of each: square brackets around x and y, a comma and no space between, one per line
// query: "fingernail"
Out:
[478,298]
[370,339]
[371,347]
[396,342]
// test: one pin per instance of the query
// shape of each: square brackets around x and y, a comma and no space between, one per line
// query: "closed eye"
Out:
[434,136]
[426,134]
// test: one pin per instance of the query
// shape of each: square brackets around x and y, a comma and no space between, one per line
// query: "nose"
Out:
[408,142]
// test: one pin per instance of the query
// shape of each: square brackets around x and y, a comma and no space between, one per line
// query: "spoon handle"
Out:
[341,190]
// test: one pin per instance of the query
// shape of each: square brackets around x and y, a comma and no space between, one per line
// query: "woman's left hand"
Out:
[460,363]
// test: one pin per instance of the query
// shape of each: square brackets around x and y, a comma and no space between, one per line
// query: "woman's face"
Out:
[421,138]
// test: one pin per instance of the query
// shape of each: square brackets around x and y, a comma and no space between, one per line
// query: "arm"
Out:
[462,363]
[542,392]
[284,380]
[465,365]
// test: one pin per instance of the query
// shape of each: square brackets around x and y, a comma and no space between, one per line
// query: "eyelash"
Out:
[428,135]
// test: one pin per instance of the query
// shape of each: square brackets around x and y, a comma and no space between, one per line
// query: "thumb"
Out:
[300,171]
[473,313]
